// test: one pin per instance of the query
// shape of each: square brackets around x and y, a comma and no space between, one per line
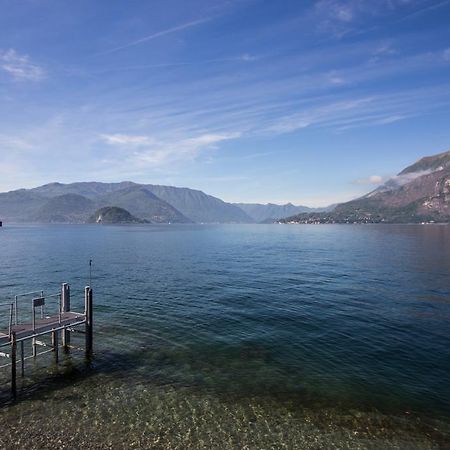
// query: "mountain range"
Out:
[77,203]
[419,193]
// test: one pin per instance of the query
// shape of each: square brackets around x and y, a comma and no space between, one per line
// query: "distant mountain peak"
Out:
[424,166]
[419,193]
[429,163]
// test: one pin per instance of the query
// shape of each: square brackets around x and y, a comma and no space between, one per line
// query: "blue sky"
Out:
[312,102]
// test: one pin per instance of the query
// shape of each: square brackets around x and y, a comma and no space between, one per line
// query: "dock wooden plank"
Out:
[42,325]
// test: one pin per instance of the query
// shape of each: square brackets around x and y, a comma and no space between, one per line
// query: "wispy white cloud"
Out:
[146,151]
[279,100]
[158,34]
[385,49]
[178,151]
[343,16]
[211,139]
[14,143]
[342,11]
[371,180]
[127,140]
[394,182]
[20,67]
[391,119]
[318,115]
[248,57]
[374,116]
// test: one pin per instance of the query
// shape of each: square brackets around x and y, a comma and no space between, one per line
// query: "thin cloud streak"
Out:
[158,34]
[242,58]
[425,10]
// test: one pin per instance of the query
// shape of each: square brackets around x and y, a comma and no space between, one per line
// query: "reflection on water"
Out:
[234,336]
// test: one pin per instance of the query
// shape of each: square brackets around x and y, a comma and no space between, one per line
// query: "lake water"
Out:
[239,336]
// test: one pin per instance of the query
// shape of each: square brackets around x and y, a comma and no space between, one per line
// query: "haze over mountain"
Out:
[419,193]
[270,211]
[64,208]
[76,202]
[198,206]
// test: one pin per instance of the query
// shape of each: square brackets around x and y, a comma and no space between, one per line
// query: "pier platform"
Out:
[43,326]
[35,314]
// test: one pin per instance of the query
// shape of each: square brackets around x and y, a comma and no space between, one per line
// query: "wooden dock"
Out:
[50,315]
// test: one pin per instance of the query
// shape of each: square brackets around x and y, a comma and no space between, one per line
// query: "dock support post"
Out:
[65,307]
[13,365]
[22,359]
[55,344]
[89,320]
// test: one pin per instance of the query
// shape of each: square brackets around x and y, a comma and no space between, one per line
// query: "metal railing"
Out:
[18,310]
[16,303]
[11,309]
[40,302]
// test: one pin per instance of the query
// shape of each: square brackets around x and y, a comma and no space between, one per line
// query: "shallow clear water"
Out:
[257,336]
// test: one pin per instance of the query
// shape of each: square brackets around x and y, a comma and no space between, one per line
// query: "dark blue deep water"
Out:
[204,332]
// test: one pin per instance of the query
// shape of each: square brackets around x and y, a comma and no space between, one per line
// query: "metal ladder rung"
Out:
[42,344]
[74,330]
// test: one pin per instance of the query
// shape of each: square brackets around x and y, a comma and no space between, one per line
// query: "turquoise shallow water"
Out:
[265,336]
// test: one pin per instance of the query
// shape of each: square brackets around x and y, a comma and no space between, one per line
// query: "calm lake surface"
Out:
[238,336]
